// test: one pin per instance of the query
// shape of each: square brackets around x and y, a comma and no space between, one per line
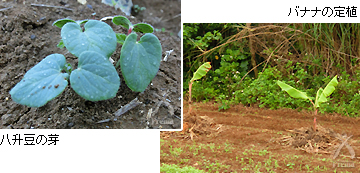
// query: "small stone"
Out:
[89,6]
[71,124]
[32,37]
[7,119]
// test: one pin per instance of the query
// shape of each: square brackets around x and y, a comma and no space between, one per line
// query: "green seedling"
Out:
[95,78]
[139,60]
[137,8]
[200,72]
[321,94]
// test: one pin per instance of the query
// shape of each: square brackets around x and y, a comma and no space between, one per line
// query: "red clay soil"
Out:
[245,129]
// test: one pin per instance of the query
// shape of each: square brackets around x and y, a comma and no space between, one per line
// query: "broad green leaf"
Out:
[143,28]
[123,21]
[140,60]
[41,83]
[98,36]
[201,71]
[330,87]
[95,78]
[328,90]
[120,38]
[292,91]
[61,22]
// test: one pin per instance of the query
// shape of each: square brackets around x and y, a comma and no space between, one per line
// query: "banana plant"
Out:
[200,72]
[321,94]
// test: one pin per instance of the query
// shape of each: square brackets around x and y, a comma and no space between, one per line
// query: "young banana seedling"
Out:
[200,72]
[321,95]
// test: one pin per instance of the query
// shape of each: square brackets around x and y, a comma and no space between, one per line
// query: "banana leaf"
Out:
[201,71]
[292,91]
[327,91]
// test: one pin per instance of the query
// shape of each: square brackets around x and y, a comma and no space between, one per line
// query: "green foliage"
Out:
[97,36]
[202,90]
[38,85]
[123,21]
[143,28]
[198,38]
[201,71]
[120,38]
[139,27]
[61,22]
[264,92]
[321,94]
[95,78]
[140,60]
[138,9]
[200,42]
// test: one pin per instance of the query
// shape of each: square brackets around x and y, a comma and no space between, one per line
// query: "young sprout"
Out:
[200,72]
[95,78]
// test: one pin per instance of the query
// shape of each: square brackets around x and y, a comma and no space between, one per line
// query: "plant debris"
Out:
[323,140]
[195,126]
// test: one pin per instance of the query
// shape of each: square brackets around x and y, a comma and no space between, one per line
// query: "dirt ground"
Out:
[27,36]
[247,139]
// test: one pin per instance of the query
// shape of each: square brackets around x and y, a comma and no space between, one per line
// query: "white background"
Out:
[81,151]
[139,150]
[260,11]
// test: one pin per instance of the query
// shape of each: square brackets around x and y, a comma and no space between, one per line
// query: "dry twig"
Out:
[51,6]
[3,9]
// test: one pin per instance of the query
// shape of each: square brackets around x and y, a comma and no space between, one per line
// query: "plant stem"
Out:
[190,86]
[315,120]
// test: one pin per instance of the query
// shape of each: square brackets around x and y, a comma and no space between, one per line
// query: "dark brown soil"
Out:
[27,36]
[244,138]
